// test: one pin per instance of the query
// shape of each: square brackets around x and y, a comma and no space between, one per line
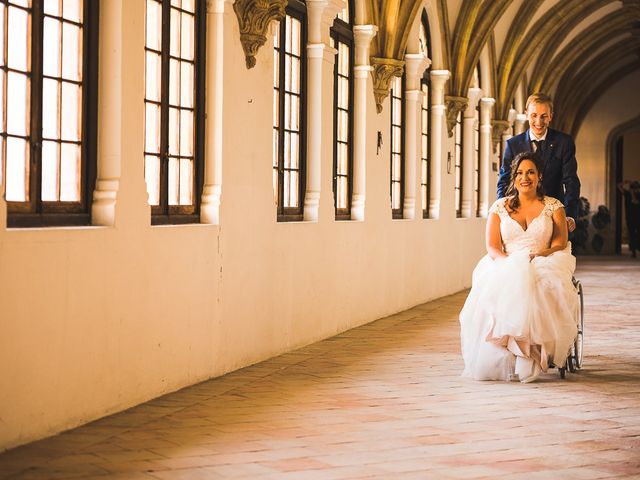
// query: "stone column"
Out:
[486,150]
[362,35]
[468,153]
[415,63]
[520,121]
[212,187]
[438,108]
[103,207]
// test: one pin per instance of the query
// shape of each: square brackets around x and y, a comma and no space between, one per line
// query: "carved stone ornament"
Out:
[254,17]
[454,106]
[383,70]
[499,127]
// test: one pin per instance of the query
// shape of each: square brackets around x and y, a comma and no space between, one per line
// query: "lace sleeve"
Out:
[552,204]
[498,206]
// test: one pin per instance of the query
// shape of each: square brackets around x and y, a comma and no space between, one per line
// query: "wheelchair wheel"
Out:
[574,360]
[577,346]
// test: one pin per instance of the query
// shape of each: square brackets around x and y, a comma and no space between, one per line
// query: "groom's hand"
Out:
[571,224]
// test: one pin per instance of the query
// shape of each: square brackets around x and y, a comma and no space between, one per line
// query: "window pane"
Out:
[293,194]
[154,25]
[174,179]
[50,108]
[186,181]
[71,51]
[287,150]
[18,39]
[51,45]
[152,76]
[70,124]
[295,75]
[175,33]
[174,131]
[295,37]
[186,133]
[17,104]
[295,113]
[189,5]
[152,177]
[52,7]
[152,128]
[187,85]
[50,162]
[174,83]
[17,170]
[72,10]
[295,149]
[187,37]
[70,173]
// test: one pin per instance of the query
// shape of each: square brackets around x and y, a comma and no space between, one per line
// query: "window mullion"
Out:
[163,206]
[35,122]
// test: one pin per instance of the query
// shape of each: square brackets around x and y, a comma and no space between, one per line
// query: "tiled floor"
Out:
[383,401]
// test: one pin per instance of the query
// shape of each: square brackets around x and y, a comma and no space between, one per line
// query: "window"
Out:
[48,92]
[342,41]
[289,112]
[425,182]
[397,146]
[458,164]
[174,108]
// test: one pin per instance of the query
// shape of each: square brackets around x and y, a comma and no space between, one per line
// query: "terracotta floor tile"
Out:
[382,401]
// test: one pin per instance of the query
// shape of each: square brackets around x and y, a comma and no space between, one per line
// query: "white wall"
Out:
[620,104]
[95,320]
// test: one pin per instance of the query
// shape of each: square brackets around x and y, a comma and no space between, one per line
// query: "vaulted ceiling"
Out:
[572,49]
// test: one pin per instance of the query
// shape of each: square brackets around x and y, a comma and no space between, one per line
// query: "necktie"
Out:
[539,146]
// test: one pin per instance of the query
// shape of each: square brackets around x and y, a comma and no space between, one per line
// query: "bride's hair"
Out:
[514,201]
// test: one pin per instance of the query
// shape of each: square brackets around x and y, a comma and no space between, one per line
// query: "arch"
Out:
[614,197]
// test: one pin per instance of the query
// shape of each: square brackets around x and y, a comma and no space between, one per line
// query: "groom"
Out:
[556,151]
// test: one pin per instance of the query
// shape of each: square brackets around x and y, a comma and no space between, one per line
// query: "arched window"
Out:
[289,55]
[174,109]
[342,41]
[48,93]
[397,145]
[458,166]
[425,109]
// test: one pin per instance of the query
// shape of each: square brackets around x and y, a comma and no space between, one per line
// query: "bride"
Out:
[520,314]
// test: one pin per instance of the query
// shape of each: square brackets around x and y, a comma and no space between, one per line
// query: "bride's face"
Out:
[527,177]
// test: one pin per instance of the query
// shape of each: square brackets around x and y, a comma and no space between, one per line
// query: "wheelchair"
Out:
[574,359]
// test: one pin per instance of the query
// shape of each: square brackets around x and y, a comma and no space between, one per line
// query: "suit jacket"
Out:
[559,171]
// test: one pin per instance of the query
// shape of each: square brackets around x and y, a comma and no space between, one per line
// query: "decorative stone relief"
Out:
[454,106]
[254,17]
[499,127]
[383,70]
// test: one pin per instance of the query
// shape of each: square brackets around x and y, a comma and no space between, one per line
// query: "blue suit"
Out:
[559,171]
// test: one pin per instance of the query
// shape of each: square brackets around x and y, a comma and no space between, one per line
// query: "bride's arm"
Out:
[560,234]
[493,238]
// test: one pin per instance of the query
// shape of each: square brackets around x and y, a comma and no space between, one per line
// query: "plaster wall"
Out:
[98,319]
[620,104]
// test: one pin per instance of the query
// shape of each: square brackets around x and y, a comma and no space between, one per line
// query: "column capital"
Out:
[473,96]
[415,65]
[454,106]
[487,102]
[362,35]
[383,70]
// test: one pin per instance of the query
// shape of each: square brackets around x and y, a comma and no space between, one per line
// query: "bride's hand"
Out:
[532,256]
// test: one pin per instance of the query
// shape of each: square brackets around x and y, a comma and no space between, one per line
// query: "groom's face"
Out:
[539,116]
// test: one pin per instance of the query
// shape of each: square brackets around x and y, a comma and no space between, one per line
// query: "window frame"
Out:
[298,10]
[36,212]
[458,163]
[398,213]
[342,32]
[163,213]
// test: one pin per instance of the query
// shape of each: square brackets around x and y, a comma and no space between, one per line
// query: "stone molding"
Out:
[383,70]
[454,106]
[499,127]
[254,17]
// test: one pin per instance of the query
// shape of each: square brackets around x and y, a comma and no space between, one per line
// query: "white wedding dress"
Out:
[520,314]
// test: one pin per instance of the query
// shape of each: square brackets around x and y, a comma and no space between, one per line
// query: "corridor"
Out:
[383,401]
